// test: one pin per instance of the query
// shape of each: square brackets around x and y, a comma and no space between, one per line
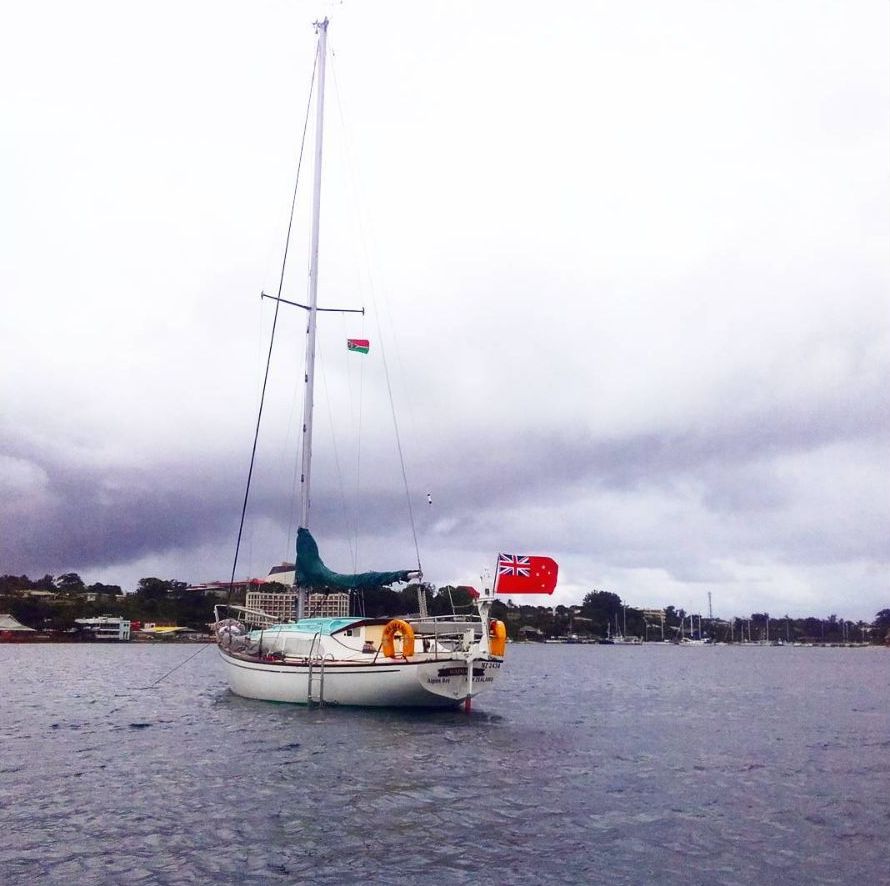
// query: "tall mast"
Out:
[321,29]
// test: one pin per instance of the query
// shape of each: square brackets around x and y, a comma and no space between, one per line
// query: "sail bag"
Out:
[312,573]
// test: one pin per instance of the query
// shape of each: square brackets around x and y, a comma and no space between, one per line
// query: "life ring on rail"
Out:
[397,626]
[497,638]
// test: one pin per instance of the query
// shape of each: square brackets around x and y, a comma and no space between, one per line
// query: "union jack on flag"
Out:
[511,564]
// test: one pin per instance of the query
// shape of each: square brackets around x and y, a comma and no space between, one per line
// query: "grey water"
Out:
[585,764]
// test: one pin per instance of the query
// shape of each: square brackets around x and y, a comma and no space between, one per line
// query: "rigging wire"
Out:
[395,423]
[358,448]
[338,469]
[292,518]
[351,512]
[274,324]
[379,330]
[354,367]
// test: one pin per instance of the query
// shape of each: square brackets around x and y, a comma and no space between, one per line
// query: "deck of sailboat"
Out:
[364,663]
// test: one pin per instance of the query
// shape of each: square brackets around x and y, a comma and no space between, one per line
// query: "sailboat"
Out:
[621,637]
[407,661]
[693,639]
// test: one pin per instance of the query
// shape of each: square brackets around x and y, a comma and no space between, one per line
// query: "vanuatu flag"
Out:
[358,344]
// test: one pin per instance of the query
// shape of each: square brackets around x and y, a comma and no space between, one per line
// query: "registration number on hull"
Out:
[479,676]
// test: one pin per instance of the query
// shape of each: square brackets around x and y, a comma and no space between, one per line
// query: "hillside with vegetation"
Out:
[53,603]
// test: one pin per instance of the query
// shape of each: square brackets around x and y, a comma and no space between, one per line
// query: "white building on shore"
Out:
[105,627]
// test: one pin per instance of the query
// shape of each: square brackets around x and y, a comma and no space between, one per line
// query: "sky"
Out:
[626,268]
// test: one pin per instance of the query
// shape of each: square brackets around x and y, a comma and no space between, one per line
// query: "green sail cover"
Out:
[311,572]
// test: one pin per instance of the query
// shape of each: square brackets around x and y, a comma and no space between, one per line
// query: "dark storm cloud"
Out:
[732,452]
[782,480]
[737,467]
[83,514]
[75,513]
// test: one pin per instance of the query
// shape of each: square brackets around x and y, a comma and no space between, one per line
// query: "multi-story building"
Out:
[105,627]
[334,605]
[282,606]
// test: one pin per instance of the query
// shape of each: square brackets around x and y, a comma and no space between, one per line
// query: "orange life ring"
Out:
[497,638]
[397,626]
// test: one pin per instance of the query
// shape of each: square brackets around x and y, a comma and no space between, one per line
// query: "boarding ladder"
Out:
[316,672]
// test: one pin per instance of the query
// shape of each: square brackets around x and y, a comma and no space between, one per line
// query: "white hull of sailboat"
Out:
[440,683]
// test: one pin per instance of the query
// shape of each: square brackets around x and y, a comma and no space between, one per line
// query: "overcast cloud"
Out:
[629,264]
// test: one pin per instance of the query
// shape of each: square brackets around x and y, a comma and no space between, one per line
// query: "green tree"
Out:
[11,583]
[759,625]
[31,613]
[452,599]
[499,610]
[70,583]
[636,622]
[380,602]
[881,624]
[152,588]
[187,609]
[105,590]
[601,607]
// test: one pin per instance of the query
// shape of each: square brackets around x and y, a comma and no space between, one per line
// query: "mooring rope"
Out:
[176,667]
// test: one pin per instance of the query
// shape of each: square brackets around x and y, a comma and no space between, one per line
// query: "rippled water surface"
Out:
[590,764]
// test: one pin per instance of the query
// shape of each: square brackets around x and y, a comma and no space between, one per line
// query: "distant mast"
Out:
[321,29]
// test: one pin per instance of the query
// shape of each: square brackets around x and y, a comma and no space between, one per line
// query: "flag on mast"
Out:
[358,344]
[520,574]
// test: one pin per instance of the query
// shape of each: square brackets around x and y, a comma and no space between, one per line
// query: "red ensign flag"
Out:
[518,574]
